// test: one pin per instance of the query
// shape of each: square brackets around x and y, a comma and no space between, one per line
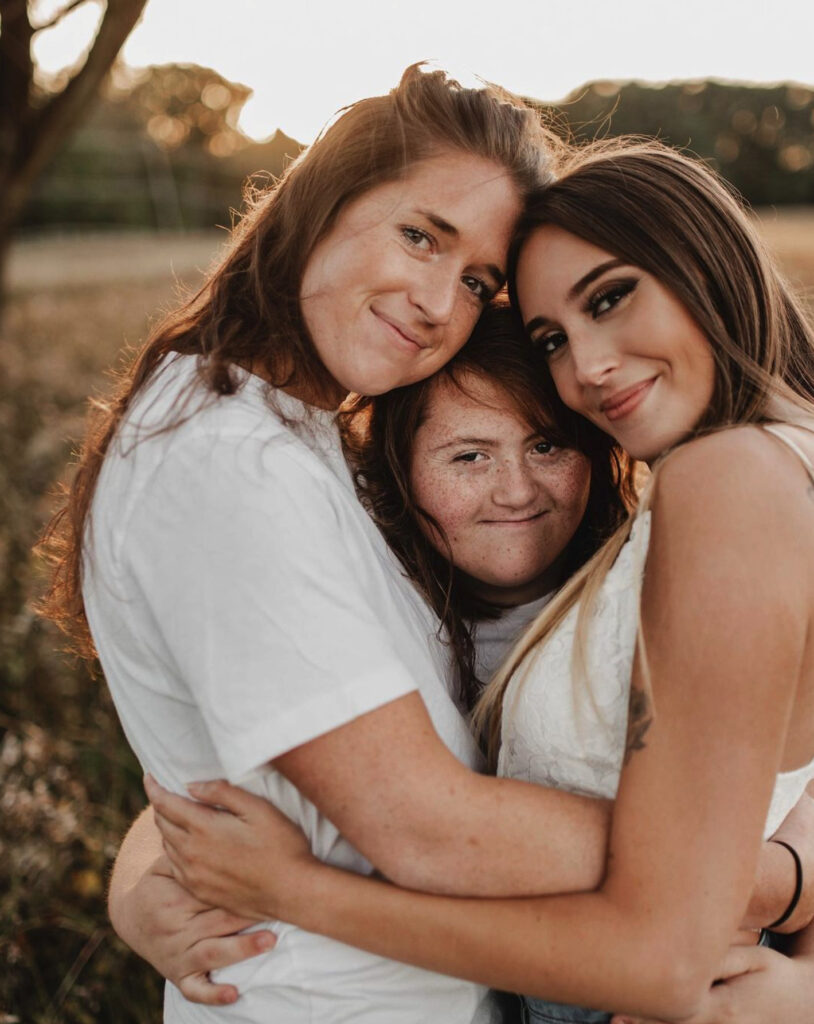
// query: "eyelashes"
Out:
[604,300]
[608,296]
[423,242]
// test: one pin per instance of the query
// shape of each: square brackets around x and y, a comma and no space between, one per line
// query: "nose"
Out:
[593,358]
[515,485]
[435,292]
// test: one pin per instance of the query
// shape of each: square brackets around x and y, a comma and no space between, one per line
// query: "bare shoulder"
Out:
[742,474]
[735,505]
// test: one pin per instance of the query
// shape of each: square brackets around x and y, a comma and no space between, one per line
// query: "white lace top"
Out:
[554,734]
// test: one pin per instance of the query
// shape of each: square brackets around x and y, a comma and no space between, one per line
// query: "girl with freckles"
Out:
[674,672]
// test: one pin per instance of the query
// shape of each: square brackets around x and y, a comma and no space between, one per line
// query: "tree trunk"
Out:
[30,136]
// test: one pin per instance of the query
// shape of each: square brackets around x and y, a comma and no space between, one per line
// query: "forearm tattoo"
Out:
[639,719]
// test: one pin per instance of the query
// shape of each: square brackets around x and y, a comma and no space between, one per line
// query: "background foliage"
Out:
[161,153]
[162,150]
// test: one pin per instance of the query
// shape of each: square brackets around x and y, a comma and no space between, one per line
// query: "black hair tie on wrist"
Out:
[798,888]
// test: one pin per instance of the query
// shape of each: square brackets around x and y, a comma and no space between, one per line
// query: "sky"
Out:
[307,58]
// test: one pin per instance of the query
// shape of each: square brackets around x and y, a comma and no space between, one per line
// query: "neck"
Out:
[307,394]
[523,593]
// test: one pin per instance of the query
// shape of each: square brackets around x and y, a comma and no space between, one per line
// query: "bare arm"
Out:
[650,938]
[161,921]
[184,939]
[426,822]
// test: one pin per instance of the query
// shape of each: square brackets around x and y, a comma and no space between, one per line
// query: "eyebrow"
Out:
[443,225]
[482,442]
[476,441]
[451,231]
[576,290]
[591,276]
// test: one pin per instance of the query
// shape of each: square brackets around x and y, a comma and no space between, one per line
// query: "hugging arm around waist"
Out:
[692,804]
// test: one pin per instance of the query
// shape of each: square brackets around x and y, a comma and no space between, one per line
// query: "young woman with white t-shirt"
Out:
[249,618]
[664,323]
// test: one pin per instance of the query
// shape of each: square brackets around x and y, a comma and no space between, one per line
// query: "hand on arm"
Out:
[761,986]
[705,772]
[758,986]
[180,936]
[394,790]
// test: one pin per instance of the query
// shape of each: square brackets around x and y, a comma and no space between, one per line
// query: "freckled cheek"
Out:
[446,501]
[568,484]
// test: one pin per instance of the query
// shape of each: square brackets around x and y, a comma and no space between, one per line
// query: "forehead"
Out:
[551,261]
[469,398]
[475,195]
[451,174]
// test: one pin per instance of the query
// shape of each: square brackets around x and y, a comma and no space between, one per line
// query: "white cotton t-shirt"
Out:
[243,603]
[495,638]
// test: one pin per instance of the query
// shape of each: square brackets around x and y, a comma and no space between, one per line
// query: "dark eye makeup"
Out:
[609,295]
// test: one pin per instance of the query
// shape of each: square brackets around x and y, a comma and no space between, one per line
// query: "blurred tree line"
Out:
[162,148]
[761,138]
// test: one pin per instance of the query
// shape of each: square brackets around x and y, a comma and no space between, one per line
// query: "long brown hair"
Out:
[672,216]
[379,434]
[247,313]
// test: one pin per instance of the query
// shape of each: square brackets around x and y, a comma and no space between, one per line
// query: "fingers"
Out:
[170,832]
[221,952]
[210,954]
[742,960]
[197,988]
[213,921]
[220,793]
[180,810]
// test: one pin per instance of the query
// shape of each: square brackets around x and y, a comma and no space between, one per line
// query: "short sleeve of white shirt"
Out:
[262,598]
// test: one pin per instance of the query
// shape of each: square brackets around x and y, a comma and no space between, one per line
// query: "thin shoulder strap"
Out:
[792,444]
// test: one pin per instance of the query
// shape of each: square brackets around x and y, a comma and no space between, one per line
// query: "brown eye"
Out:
[417,238]
[605,299]
[549,343]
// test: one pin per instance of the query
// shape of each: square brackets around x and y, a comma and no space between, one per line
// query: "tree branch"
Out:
[51,125]
[57,18]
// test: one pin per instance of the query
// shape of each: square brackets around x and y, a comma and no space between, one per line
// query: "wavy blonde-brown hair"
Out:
[674,218]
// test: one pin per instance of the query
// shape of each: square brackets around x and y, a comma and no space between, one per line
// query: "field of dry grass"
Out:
[68,783]
[789,233]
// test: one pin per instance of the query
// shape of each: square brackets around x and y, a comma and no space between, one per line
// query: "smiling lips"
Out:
[402,334]
[515,522]
[624,402]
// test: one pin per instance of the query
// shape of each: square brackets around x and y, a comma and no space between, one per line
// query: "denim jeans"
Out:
[540,1011]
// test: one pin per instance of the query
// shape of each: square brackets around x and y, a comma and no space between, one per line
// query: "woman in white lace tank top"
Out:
[663,322]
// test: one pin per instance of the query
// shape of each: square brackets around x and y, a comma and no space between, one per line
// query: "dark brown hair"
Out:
[379,434]
[248,313]
[674,218]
